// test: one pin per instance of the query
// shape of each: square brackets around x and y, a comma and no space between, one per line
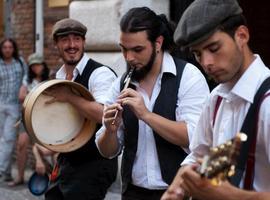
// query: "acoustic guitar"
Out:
[220,163]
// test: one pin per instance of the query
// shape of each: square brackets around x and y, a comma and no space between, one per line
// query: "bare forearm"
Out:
[229,192]
[261,196]
[37,155]
[90,109]
[172,131]
[108,144]
[249,195]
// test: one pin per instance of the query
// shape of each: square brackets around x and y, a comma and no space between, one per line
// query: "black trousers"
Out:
[138,193]
[86,181]
[54,194]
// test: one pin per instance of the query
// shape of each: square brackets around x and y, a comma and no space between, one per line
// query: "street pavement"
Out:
[22,193]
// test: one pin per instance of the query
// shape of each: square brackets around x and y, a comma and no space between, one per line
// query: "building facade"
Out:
[18,20]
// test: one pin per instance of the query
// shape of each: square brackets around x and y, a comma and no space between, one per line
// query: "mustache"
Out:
[71,49]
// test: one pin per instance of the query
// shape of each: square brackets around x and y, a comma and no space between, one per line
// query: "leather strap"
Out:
[219,99]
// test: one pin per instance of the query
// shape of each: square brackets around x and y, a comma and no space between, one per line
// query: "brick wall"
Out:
[52,15]
[22,20]
[23,28]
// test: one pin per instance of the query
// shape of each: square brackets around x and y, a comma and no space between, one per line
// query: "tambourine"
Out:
[57,126]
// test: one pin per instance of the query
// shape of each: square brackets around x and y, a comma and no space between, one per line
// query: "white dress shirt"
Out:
[99,82]
[229,119]
[192,94]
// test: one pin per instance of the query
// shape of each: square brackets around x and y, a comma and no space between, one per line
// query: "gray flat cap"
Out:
[67,26]
[35,58]
[202,18]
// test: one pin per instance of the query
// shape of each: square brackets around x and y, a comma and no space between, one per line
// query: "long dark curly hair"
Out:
[14,44]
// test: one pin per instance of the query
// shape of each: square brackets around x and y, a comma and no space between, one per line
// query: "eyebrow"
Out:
[138,46]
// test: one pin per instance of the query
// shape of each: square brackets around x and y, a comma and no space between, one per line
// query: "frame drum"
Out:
[57,126]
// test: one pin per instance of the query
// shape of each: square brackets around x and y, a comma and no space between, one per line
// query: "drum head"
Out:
[57,126]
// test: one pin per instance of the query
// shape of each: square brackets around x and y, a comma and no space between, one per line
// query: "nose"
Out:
[129,57]
[71,43]
[207,62]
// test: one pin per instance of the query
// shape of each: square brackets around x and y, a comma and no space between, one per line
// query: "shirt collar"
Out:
[13,61]
[248,83]
[168,64]
[61,74]
[80,66]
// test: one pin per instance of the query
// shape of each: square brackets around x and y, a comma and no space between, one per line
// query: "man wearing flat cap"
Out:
[216,33]
[82,174]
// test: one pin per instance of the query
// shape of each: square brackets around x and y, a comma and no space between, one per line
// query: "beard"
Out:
[72,61]
[141,73]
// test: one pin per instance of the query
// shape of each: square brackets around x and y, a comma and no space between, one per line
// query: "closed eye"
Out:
[214,48]
[137,49]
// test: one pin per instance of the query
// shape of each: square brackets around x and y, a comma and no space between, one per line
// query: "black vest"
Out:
[170,156]
[89,151]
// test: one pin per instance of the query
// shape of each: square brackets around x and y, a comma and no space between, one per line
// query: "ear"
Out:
[241,35]
[159,42]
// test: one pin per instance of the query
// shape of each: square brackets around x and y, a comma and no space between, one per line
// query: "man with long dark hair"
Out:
[13,71]
[154,118]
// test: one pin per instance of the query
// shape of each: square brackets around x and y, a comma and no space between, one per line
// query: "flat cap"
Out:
[67,26]
[201,19]
[35,58]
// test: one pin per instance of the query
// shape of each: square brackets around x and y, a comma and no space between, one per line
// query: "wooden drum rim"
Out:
[81,138]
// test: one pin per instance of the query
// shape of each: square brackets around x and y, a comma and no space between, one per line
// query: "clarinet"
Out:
[127,81]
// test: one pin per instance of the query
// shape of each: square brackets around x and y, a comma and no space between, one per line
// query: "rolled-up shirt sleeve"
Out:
[202,137]
[192,94]
[100,82]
